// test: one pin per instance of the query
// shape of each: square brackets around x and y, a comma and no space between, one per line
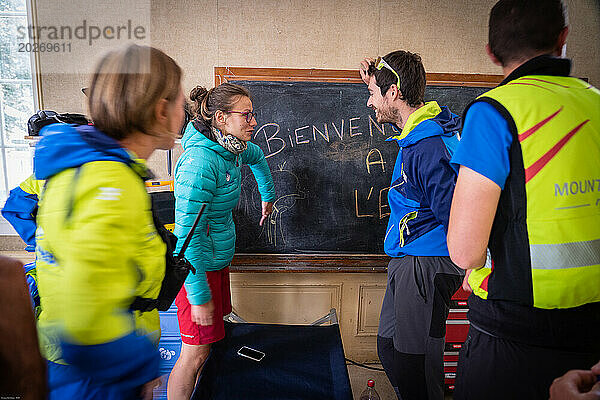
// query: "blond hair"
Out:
[126,86]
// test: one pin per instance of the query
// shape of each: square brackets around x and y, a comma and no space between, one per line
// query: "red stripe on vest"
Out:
[541,80]
[536,127]
[484,283]
[545,159]
[530,84]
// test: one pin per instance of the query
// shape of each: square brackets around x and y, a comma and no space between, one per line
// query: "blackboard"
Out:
[330,163]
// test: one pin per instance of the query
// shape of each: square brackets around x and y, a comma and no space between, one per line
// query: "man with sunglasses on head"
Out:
[421,276]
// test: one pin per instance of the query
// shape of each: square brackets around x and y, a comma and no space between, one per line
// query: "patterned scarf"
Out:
[229,142]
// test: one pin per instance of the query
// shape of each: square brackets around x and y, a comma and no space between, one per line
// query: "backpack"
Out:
[46,117]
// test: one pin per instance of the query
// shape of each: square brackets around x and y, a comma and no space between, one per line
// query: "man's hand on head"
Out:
[364,69]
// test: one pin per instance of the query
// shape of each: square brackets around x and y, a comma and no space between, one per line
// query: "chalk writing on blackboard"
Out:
[382,204]
[273,229]
[277,139]
[378,160]
[374,157]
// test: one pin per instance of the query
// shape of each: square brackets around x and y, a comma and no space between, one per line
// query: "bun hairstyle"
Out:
[199,98]
[204,103]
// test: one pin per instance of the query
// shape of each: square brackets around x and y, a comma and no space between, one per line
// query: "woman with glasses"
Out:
[216,144]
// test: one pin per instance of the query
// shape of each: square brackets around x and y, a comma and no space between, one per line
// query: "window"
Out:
[17,101]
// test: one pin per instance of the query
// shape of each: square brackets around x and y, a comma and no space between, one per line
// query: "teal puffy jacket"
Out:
[206,173]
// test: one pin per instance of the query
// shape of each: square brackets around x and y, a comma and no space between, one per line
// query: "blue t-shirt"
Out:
[484,144]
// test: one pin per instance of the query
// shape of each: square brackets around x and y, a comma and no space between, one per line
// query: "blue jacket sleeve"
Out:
[432,173]
[20,210]
[255,159]
[195,184]
[133,361]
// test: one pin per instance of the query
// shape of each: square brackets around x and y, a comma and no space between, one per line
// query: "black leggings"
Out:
[406,372]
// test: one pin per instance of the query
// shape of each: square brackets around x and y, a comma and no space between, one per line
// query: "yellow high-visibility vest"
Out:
[545,240]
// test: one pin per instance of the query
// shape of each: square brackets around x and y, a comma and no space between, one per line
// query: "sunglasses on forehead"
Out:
[381,63]
[246,114]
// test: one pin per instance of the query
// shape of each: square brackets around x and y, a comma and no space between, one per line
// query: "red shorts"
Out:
[194,334]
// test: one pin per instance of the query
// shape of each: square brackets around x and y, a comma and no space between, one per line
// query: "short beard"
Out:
[389,115]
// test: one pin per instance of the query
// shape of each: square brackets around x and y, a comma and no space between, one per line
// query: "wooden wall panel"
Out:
[369,306]
[285,303]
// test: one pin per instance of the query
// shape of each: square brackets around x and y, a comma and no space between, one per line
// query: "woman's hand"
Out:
[203,314]
[267,209]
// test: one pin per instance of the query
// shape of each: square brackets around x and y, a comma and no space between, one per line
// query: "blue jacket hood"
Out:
[448,121]
[66,146]
[445,123]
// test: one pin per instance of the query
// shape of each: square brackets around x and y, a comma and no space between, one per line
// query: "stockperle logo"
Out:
[127,30]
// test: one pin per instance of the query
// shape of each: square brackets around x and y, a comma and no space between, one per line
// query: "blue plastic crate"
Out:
[169,348]
[169,326]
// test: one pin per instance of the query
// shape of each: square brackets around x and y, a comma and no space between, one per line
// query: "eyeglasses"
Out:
[380,63]
[246,114]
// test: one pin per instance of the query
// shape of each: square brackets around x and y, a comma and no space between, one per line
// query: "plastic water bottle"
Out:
[370,393]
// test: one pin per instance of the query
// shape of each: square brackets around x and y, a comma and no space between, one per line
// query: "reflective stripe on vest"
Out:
[557,120]
[565,255]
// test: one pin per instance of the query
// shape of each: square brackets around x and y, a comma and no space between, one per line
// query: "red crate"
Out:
[449,375]
[458,304]
[450,366]
[452,346]
[451,356]
[460,294]
[456,331]
[457,314]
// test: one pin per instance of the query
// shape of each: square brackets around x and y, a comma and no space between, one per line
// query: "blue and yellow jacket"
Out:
[97,249]
[20,209]
[206,173]
[422,185]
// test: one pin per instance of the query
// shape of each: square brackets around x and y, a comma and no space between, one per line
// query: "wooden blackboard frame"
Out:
[361,263]
[225,74]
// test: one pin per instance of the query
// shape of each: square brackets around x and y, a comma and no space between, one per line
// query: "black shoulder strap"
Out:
[143,304]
